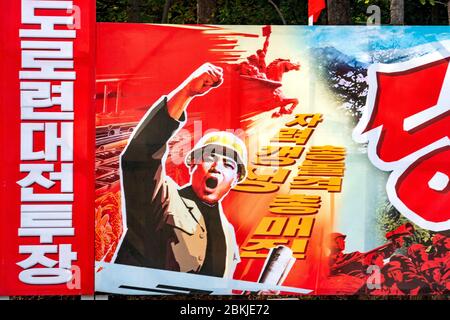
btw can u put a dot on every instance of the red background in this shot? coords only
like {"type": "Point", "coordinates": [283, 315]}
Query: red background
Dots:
{"type": "Point", "coordinates": [83, 221]}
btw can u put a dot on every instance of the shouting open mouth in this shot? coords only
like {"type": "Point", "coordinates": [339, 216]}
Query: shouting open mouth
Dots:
{"type": "Point", "coordinates": [212, 182]}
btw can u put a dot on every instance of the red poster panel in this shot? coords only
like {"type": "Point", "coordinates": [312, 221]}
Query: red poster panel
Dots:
{"type": "Point", "coordinates": [47, 130]}
{"type": "Point", "coordinates": [228, 162]}
{"type": "Point", "coordinates": [247, 104]}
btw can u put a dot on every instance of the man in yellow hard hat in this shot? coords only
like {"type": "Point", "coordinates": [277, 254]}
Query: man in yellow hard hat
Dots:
{"type": "Point", "coordinates": [180, 228]}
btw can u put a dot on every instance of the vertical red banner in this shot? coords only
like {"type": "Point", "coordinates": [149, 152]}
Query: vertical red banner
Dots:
{"type": "Point", "coordinates": [47, 147]}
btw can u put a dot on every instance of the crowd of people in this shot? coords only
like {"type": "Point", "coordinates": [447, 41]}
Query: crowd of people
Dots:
{"type": "Point", "coordinates": [383, 271]}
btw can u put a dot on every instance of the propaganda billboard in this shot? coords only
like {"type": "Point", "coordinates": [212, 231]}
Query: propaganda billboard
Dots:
{"type": "Point", "coordinates": [272, 160]}
{"type": "Point", "coordinates": [144, 159]}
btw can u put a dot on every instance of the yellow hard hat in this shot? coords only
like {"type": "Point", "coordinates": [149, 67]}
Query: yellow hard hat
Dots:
{"type": "Point", "coordinates": [224, 143]}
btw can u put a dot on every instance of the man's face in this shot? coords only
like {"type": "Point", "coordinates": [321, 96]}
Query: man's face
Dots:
{"type": "Point", "coordinates": [447, 243]}
{"type": "Point", "coordinates": [400, 241]}
{"type": "Point", "coordinates": [436, 274]}
{"type": "Point", "coordinates": [422, 254]}
{"type": "Point", "coordinates": [340, 243]}
{"type": "Point", "coordinates": [213, 176]}
{"type": "Point", "coordinates": [396, 275]}
{"type": "Point", "coordinates": [378, 260]}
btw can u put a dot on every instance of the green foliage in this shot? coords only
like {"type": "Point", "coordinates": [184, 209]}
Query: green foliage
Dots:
{"type": "Point", "coordinates": [112, 10]}
{"type": "Point", "coordinates": [228, 11]}
{"type": "Point", "coordinates": [388, 219]}
{"type": "Point", "coordinates": [417, 12]}
{"type": "Point", "coordinates": [260, 12]}
{"type": "Point", "coordinates": [425, 12]}
{"type": "Point", "coordinates": [359, 10]}
{"type": "Point", "coordinates": [181, 12]}
{"type": "Point", "coordinates": [424, 2]}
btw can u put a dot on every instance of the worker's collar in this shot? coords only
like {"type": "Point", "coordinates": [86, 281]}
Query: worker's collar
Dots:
{"type": "Point", "coordinates": [189, 193]}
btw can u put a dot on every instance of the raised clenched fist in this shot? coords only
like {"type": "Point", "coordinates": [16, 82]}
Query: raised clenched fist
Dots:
{"type": "Point", "coordinates": [203, 79]}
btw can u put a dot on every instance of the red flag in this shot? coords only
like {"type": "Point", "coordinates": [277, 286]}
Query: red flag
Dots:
{"type": "Point", "coordinates": [315, 7]}
{"type": "Point", "coordinates": [266, 31]}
